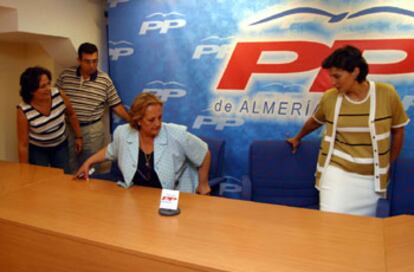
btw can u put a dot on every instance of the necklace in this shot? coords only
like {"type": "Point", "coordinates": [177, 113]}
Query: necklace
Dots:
{"type": "Point", "coordinates": [147, 156]}
{"type": "Point", "coordinates": [147, 159]}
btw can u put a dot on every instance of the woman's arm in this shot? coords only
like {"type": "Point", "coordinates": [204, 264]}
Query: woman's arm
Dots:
{"type": "Point", "coordinates": [73, 119]}
{"type": "Point", "coordinates": [397, 141]}
{"type": "Point", "coordinates": [203, 187]}
{"type": "Point", "coordinates": [309, 126]}
{"type": "Point", "coordinates": [98, 157]}
{"type": "Point", "coordinates": [22, 136]}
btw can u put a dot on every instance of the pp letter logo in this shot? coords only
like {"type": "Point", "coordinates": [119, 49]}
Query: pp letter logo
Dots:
{"type": "Point", "coordinates": [161, 26]}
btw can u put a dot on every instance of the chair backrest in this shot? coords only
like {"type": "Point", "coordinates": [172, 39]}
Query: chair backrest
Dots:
{"type": "Point", "coordinates": [401, 189]}
{"type": "Point", "coordinates": [216, 147]}
{"type": "Point", "coordinates": [280, 177]}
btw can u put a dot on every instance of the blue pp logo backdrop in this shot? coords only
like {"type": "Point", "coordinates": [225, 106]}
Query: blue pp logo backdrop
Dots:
{"type": "Point", "coordinates": [250, 70]}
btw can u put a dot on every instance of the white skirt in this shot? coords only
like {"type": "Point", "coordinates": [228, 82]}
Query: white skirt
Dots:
{"type": "Point", "coordinates": [345, 192]}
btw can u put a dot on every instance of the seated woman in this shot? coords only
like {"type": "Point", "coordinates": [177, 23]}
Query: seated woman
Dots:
{"type": "Point", "coordinates": [155, 154]}
{"type": "Point", "coordinates": [41, 126]}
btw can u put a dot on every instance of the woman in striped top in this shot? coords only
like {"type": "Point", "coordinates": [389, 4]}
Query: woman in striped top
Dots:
{"type": "Point", "coordinates": [41, 126]}
{"type": "Point", "coordinates": [364, 131]}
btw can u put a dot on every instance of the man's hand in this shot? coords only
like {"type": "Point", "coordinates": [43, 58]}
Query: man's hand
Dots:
{"type": "Point", "coordinates": [78, 145]}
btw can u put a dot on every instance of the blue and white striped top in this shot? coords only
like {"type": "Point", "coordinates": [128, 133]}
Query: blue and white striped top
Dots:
{"type": "Point", "coordinates": [46, 131]}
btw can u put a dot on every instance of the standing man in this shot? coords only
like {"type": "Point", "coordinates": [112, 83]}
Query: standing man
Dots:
{"type": "Point", "coordinates": [89, 90]}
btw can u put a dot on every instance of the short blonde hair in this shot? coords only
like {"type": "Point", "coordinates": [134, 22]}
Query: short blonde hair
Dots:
{"type": "Point", "coordinates": [139, 106]}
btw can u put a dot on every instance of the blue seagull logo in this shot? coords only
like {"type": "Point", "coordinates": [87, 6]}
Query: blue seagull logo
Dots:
{"type": "Point", "coordinates": [335, 18]}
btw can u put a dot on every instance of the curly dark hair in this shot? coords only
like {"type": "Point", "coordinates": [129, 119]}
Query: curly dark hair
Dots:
{"type": "Point", "coordinates": [29, 81]}
{"type": "Point", "coordinates": [348, 58]}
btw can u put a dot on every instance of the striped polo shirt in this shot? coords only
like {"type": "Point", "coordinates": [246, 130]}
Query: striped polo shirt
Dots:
{"type": "Point", "coordinates": [88, 97]}
{"type": "Point", "coordinates": [46, 131]}
{"type": "Point", "coordinates": [353, 148]}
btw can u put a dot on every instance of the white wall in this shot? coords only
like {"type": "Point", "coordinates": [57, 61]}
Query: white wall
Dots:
{"type": "Point", "coordinates": [51, 20]}
{"type": "Point", "coordinates": [46, 33]}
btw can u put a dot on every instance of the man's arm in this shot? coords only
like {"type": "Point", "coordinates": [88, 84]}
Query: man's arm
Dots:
{"type": "Point", "coordinates": [74, 122]}
{"type": "Point", "coordinates": [121, 112]}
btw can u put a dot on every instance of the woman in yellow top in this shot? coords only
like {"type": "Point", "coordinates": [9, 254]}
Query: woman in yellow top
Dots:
{"type": "Point", "coordinates": [364, 131]}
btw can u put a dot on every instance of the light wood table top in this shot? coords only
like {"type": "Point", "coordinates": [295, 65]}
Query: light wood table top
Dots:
{"type": "Point", "coordinates": [14, 176]}
{"type": "Point", "coordinates": [399, 243]}
{"type": "Point", "coordinates": [211, 233]}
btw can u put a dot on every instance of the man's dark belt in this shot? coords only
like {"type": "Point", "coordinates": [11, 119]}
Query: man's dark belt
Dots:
{"type": "Point", "coordinates": [84, 124]}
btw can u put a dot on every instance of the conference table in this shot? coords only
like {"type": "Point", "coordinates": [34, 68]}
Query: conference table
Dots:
{"type": "Point", "coordinates": [50, 222]}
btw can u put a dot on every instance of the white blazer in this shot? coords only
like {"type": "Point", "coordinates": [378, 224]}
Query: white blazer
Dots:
{"type": "Point", "coordinates": [177, 156]}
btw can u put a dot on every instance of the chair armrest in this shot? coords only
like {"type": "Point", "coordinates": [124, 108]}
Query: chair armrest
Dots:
{"type": "Point", "coordinates": [246, 193]}
{"type": "Point", "coordinates": [215, 181]}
